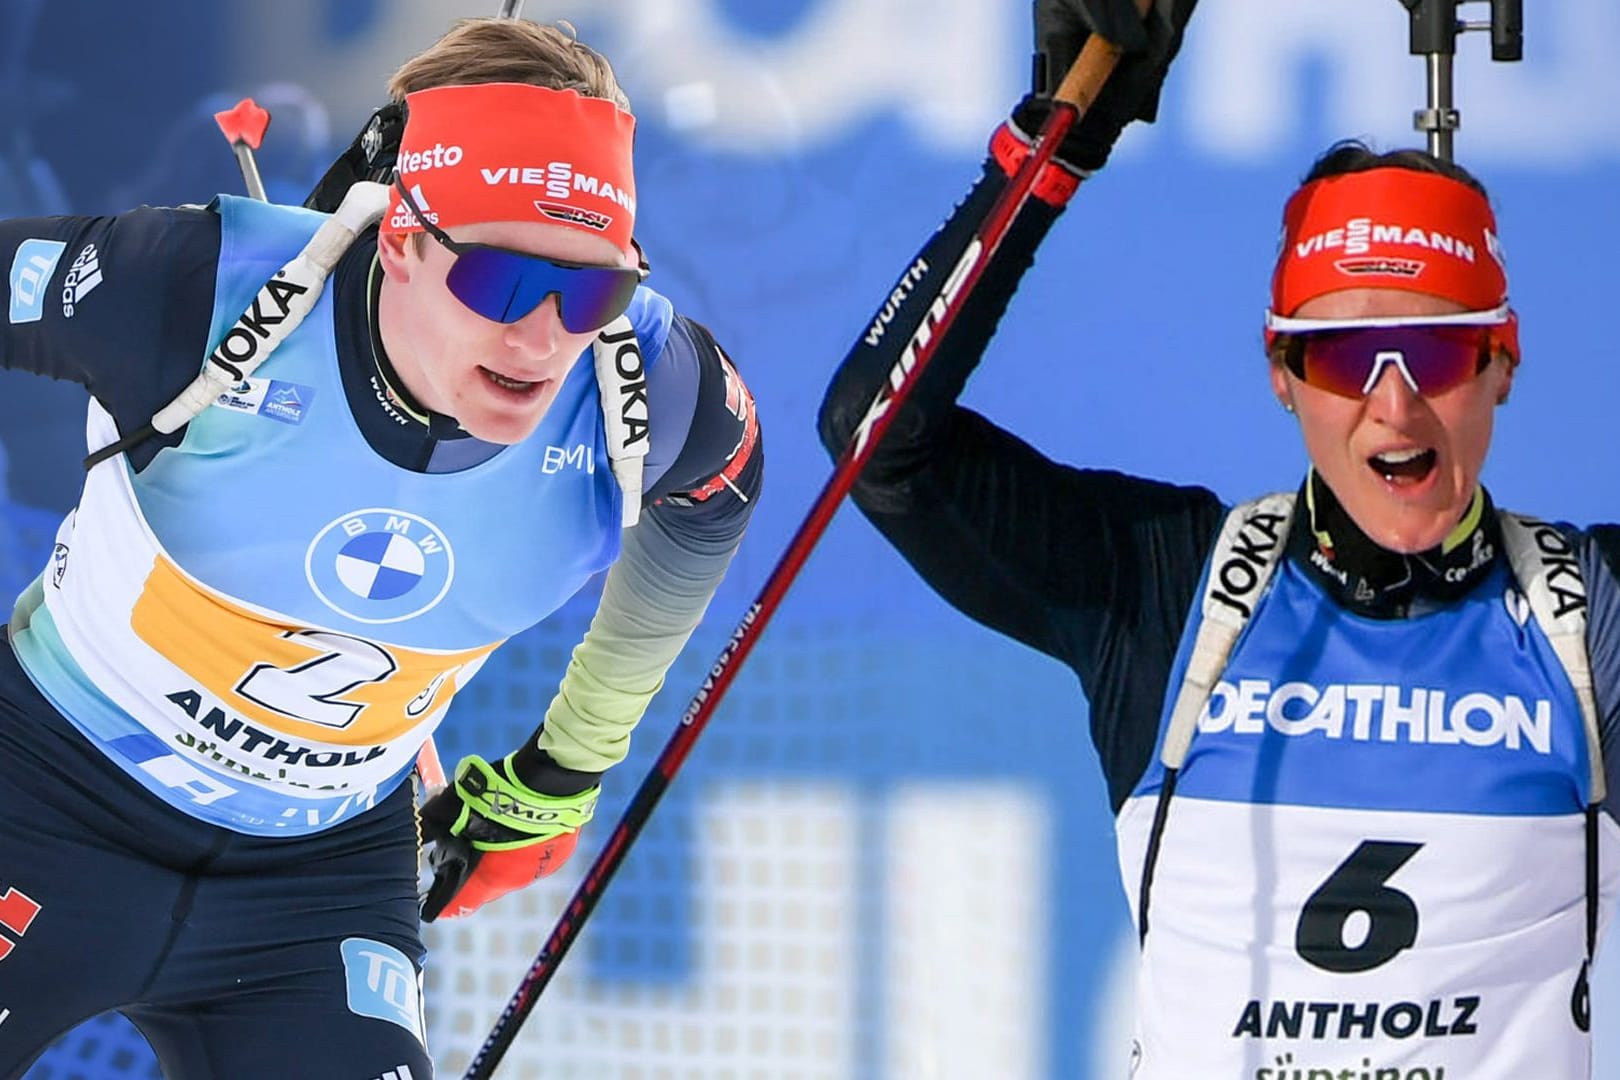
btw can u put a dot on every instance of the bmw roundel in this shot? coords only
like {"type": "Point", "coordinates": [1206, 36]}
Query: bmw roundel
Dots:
{"type": "Point", "coordinates": [380, 565]}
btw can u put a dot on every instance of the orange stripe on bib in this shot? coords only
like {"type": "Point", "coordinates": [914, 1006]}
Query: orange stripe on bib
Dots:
{"type": "Point", "coordinates": [293, 680]}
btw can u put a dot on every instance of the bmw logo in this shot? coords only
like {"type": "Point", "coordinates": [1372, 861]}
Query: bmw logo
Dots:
{"type": "Point", "coordinates": [380, 565]}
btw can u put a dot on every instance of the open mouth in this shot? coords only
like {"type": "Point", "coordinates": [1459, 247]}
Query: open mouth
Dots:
{"type": "Point", "coordinates": [1404, 467]}
{"type": "Point", "coordinates": [516, 386]}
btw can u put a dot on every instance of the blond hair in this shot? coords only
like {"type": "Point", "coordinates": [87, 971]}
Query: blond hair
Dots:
{"type": "Point", "coordinates": [491, 49]}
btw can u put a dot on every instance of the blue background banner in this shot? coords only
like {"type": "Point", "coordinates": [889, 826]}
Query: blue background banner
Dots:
{"type": "Point", "coordinates": [891, 855]}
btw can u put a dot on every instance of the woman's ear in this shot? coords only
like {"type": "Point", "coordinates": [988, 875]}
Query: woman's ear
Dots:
{"type": "Point", "coordinates": [1280, 388]}
{"type": "Point", "coordinates": [1509, 366]}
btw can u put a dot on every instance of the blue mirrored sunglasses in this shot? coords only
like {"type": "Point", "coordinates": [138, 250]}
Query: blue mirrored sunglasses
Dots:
{"type": "Point", "coordinates": [505, 285]}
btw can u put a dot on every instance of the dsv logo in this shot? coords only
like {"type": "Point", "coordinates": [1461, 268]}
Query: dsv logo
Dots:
{"type": "Point", "coordinates": [17, 911]}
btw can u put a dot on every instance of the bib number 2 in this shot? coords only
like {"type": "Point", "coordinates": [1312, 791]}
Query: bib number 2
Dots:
{"type": "Point", "coordinates": [313, 690]}
{"type": "Point", "coordinates": [1357, 903]}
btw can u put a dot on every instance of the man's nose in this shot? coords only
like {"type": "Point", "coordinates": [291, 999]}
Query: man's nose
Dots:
{"type": "Point", "coordinates": [538, 332]}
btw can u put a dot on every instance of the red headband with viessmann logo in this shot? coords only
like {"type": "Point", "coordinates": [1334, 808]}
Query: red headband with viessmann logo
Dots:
{"type": "Point", "coordinates": [1390, 228]}
{"type": "Point", "coordinates": [516, 152]}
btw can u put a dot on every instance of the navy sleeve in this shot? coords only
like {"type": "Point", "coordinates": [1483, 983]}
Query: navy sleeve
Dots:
{"type": "Point", "coordinates": [713, 448]}
{"type": "Point", "coordinates": [1094, 568]}
{"type": "Point", "coordinates": [704, 473]}
{"type": "Point", "coordinates": [119, 305]}
{"type": "Point", "coordinates": [1600, 567]}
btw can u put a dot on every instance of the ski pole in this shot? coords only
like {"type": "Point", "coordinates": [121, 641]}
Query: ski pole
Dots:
{"type": "Point", "coordinates": [1077, 91]}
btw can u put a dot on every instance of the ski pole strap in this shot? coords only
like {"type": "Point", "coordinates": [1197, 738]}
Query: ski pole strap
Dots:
{"type": "Point", "coordinates": [1055, 184]}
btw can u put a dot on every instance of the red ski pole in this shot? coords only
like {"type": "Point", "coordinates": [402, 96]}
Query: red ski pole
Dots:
{"type": "Point", "coordinates": [1078, 90]}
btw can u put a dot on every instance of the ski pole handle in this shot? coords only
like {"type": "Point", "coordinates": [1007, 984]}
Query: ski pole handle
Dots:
{"type": "Point", "coordinates": [244, 128]}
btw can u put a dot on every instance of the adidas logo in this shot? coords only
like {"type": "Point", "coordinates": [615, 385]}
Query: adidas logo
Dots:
{"type": "Point", "coordinates": [402, 217]}
{"type": "Point", "coordinates": [401, 1073]}
{"type": "Point", "coordinates": [82, 278]}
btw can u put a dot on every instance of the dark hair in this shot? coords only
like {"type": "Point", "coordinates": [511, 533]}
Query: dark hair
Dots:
{"type": "Point", "coordinates": [1353, 156]}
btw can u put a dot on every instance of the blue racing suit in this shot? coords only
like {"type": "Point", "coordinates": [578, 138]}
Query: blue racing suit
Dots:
{"type": "Point", "coordinates": [215, 691]}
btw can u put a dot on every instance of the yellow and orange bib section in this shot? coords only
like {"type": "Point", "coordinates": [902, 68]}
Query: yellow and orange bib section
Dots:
{"type": "Point", "coordinates": [304, 682]}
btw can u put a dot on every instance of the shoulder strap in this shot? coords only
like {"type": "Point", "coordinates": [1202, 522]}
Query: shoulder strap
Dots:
{"type": "Point", "coordinates": [1245, 557]}
{"type": "Point", "coordinates": [293, 291]}
{"type": "Point", "coordinates": [1548, 572]}
{"type": "Point", "coordinates": [620, 372]}
{"type": "Point", "coordinates": [621, 381]}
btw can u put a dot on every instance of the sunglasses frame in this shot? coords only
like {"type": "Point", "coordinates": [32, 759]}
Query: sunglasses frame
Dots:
{"type": "Point", "coordinates": [1292, 349]}
{"type": "Point", "coordinates": [458, 248]}
{"type": "Point", "coordinates": [1286, 341]}
{"type": "Point", "coordinates": [1496, 316]}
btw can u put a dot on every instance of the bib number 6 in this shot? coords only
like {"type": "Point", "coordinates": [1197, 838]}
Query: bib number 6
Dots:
{"type": "Point", "coordinates": [1356, 896]}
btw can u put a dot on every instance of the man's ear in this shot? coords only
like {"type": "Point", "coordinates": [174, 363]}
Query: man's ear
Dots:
{"type": "Point", "coordinates": [393, 251]}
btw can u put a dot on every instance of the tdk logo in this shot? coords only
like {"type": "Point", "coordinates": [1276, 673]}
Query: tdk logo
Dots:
{"type": "Point", "coordinates": [31, 270]}
{"type": "Point", "coordinates": [382, 984]}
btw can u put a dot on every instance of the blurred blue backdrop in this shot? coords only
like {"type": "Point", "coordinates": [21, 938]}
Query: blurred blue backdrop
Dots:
{"type": "Point", "coordinates": [957, 891]}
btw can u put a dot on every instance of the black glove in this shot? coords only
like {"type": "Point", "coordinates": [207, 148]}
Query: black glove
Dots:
{"type": "Point", "coordinates": [1131, 92]}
